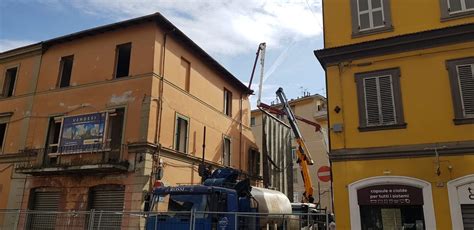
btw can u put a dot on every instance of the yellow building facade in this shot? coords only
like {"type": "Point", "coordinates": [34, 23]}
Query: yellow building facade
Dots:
{"type": "Point", "coordinates": [401, 112]}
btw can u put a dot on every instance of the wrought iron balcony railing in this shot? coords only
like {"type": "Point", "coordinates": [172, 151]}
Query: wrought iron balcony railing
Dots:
{"type": "Point", "coordinates": [101, 156]}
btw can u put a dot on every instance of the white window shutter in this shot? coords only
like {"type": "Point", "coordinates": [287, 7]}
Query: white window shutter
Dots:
{"type": "Point", "coordinates": [466, 88]}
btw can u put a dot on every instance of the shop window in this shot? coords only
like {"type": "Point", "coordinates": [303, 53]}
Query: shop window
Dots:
{"type": "Point", "coordinates": [122, 56]}
{"type": "Point", "coordinates": [186, 73]}
{"type": "Point", "coordinates": [369, 16]}
{"type": "Point", "coordinates": [379, 98]}
{"type": "Point", "coordinates": [42, 202]}
{"type": "Point", "coordinates": [109, 199]}
{"type": "Point", "coordinates": [9, 82]}
{"type": "Point", "coordinates": [254, 163]}
{"type": "Point", "coordinates": [3, 132]}
{"type": "Point", "coordinates": [461, 76]}
{"type": "Point", "coordinates": [226, 151]}
{"type": "Point", "coordinates": [181, 134]}
{"type": "Point", "coordinates": [65, 70]}
{"type": "Point", "coordinates": [392, 217]}
{"type": "Point", "coordinates": [227, 102]}
{"type": "Point", "coordinates": [115, 128]}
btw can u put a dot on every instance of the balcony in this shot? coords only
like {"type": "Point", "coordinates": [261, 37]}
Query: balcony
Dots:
{"type": "Point", "coordinates": [94, 158]}
{"type": "Point", "coordinates": [321, 114]}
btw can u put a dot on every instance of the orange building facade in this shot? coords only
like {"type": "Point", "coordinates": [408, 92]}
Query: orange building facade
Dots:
{"type": "Point", "coordinates": [104, 111]}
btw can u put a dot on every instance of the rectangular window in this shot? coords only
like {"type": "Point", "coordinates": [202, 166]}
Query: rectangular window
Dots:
{"type": "Point", "coordinates": [254, 162]}
{"type": "Point", "coordinates": [181, 134]}
{"type": "Point", "coordinates": [456, 8]}
{"type": "Point", "coordinates": [461, 76]}
{"type": "Point", "coordinates": [226, 151]}
{"type": "Point", "coordinates": [54, 129]}
{"type": "Point", "coordinates": [115, 128]}
{"type": "Point", "coordinates": [122, 60]}
{"type": "Point", "coordinates": [252, 121]}
{"type": "Point", "coordinates": [370, 16]}
{"type": "Point", "coordinates": [65, 70]}
{"type": "Point", "coordinates": [379, 99]}
{"type": "Point", "coordinates": [9, 82]}
{"type": "Point", "coordinates": [3, 132]}
{"type": "Point", "coordinates": [186, 73]}
{"type": "Point", "coordinates": [227, 102]}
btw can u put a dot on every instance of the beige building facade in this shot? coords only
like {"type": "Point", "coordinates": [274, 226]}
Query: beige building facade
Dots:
{"type": "Point", "coordinates": [103, 110]}
{"type": "Point", "coordinates": [312, 108]}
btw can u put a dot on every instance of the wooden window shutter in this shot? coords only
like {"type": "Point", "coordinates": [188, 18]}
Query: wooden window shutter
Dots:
{"type": "Point", "coordinates": [466, 88]}
{"type": "Point", "coordinates": [371, 101]}
{"type": "Point", "coordinates": [387, 102]}
{"type": "Point", "coordinates": [379, 100]}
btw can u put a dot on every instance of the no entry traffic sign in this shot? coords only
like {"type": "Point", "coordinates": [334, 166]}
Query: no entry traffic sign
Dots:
{"type": "Point", "coordinates": [324, 173]}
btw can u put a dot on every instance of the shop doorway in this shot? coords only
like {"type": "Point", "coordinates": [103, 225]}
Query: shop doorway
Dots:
{"type": "Point", "coordinates": [375, 217]}
{"type": "Point", "coordinates": [391, 206]}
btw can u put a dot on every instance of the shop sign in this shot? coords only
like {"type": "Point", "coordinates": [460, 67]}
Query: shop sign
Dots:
{"type": "Point", "coordinates": [82, 132]}
{"type": "Point", "coordinates": [466, 193]}
{"type": "Point", "coordinates": [390, 195]}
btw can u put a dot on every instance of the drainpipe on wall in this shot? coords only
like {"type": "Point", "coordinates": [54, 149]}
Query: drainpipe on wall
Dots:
{"type": "Point", "coordinates": [156, 154]}
{"type": "Point", "coordinates": [240, 130]}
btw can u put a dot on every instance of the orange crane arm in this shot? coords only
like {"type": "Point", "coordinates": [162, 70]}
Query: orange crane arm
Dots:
{"type": "Point", "coordinates": [304, 157]}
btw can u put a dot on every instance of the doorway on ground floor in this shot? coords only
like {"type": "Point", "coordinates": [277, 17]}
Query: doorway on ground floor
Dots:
{"type": "Point", "coordinates": [381, 217]}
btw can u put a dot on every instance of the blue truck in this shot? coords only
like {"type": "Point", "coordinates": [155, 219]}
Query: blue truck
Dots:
{"type": "Point", "coordinates": [214, 204]}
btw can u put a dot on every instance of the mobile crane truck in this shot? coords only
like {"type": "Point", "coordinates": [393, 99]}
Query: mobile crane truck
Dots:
{"type": "Point", "coordinates": [214, 204]}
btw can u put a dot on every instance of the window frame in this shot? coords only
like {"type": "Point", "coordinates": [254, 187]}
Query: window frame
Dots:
{"type": "Point", "coordinates": [187, 74]}
{"type": "Point", "coordinates": [224, 138]}
{"type": "Point", "coordinates": [459, 117]}
{"type": "Point", "coordinates": [397, 99]}
{"type": "Point", "coordinates": [227, 102]}
{"type": "Point", "coordinates": [355, 18]}
{"type": "Point", "coordinates": [447, 15]}
{"type": "Point", "coordinates": [108, 138]}
{"type": "Point", "coordinates": [61, 69]}
{"type": "Point", "coordinates": [255, 164]}
{"type": "Point", "coordinates": [253, 121]}
{"type": "Point", "coordinates": [4, 78]}
{"type": "Point", "coordinates": [49, 146]}
{"type": "Point", "coordinates": [175, 142]}
{"type": "Point", "coordinates": [4, 119]}
{"type": "Point", "coordinates": [117, 53]}
{"type": "Point", "coordinates": [2, 141]}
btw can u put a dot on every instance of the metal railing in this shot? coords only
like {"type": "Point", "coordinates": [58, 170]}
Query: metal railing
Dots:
{"type": "Point", "coordinates": [78, 155]}
{"type": "Point", "coordinates": [93, 219]}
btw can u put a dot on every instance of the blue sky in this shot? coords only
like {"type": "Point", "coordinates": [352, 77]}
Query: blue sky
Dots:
{"type": "Point", "coordinates": [229, 30]}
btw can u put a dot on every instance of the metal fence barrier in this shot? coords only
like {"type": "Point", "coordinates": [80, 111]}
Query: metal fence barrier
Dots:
{"type": "Point", "coordinates": [92, 220]}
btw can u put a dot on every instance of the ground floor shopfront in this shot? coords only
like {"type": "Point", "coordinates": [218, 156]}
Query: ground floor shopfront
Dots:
{"type": "Point", "coordinates": [407, 193]}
